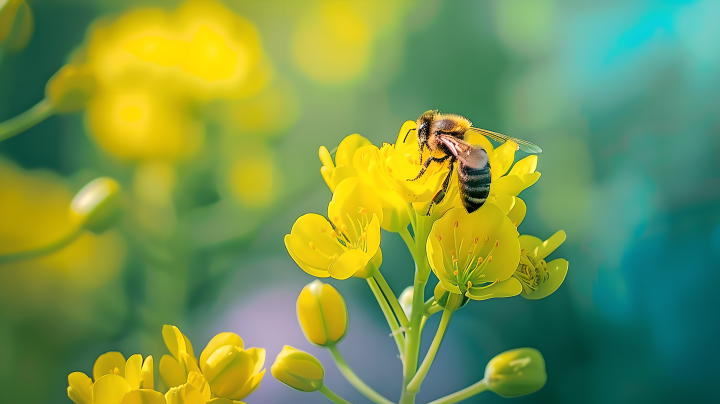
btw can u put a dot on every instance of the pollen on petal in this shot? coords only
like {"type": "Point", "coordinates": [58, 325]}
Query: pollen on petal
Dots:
{"type": "Point", "coordinates": [312, 245]}
{"type": "Point", "coordinates": [362, 210]}
{"type": "Point", "coordinates": [490, 258]}
{"type": "Point", "coordinates": [497, 243]}
{"type": "Point", "coordinates": [487, 238]}
{"type": "Point", "coordinates": [439, 238]}
{"type": "Point", "coordinates": [456, 224]}
{"type": "Point", "coordinates": [455, 273]}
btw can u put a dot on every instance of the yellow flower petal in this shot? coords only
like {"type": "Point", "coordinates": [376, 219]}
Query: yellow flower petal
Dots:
{"type": "Point", "coordinates": [557, 270]}
{"type": "Point", "coordinates": [347, 147]}
{"type": "Point", "coordinates": [188, 363]}
{"type": "Point", "coordinates": [146, 374]}
{"type": "Point", "coordinates": [174, 340]}
{"type": "Point", "coordinates": [143, 396]}
{"type": "Point", "coordinates": [171, 372]}
{"type": "Point", "coordinates": [507, 288]}
{"type": "Point", "coordinates": [501, 158]}
{"type": "Point", "coordinates": [314, 271]}
{"type": "Point", "coordinates": [525, 166]}
{"type": "Point", "coordinates": [310, 240]}
{"type": "Point", "coordinates": [518, 212]}
{"type": "Point", "coordinates": [198, 381]}
{"type": "Point", "coordinates": [373, 236]}
{"type": "Point", "coordinates": [549, 245]}
{"type": "Point", "coordinates": [227, 370]}
{"type": "Point", "coordinates": [107, 363]}
{"type": "Point", "coordinates": [132, 371]}
{"type": "Point", "coordinates": [220, 400]}
{"type": "Point", "coordinates": [504, 202]}
{"type": "Point", "coordinates": [251, 385]}
{"type": "Point", "coordinates": [258, 357]}
{"type": "Point", "coordinates": [529, 243]}
{"type": "Point", "coordinates": [224, 338]}
{"type": "Point", "coordinates": [310, 318]}
{"type": "Point", "coordinates": [184, 394]}
{"type": "Point", "coordinates": [349, 262]}
{"type": "Point", "coordinates": [80, 388]}
{"type": "Point", "coordinates": [353, 205]}
{"type": "Point", "coordinates": [325, 157]}
{"type": "Point", "coordinates": [110, 389]}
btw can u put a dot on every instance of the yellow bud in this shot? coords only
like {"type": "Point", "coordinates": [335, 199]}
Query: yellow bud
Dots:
{"type": "Point", "coordinates": [97, 206]}
{"type": "Point", "coordinates": [70, 88]}
{"type": "Point", "coordinates": [298, 369]}
{"type": "Point", "coordinates": [8, 13]}
{"type": "Point", "coordinates": [516, 372]}
{"type": "Point", "coordinates": [230, 370]}
{"type": "Point", "coordinates": [322, 314]}
{"type": "Point", "coordinates": [16, 25]}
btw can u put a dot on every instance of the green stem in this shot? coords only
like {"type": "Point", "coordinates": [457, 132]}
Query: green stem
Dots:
{"type": "Point", "coordinates": [332, 396]}
{"type": "Point", "coordinates": [26, 120]}
{"type": "Point", "coordinates": [387, 311]}
{"type": "Point", "coordinates": [408, 239]}
{"type": "Point", "coordinates": [467, 392]}
{"type": "Point", "coordinates": [391, 298]}
{"type": "Point", "coordinates": [414, 385]}
{"type": "Point", "coordinates": [432, 310]}
{"type": "Point", "coordinates": [351, 377]}
{"type": "Point", "coordinates": [44, 250]}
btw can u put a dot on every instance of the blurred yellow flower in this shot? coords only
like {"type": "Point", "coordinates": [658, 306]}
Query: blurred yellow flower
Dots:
{"type": "Point", "coordinates": [253, 178]}
{"type": "Point", "coordinates": [540, 279]}
{"type": "Point", "coordinates": [16, 25]}
{"type": "Point", "coordinates": [333, 41]}
{"type": "Point", "coordinates": [34, 214]}
{"type": "Point", "coordinates": [134, 123]}
{"type": "Point", "coordinates": [348, 244]}
{"type": "Point", "coordinates": [116, 381]}
{"type": "Point", "coordinates": [232, 371]}
{"type": "Point", "coordinates": [475, 254]}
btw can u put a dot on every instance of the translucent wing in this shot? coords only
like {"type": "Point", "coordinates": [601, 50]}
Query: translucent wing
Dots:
{"type": "Point", "coordinates": [470, 155]}
{"type": "Point", "coordinates": [523, 145]}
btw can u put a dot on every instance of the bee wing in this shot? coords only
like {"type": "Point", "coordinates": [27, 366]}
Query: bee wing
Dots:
{"type": "Point", "coordinates": [523, 145]}
{"type": "Point", "coordinates": [472, 156]}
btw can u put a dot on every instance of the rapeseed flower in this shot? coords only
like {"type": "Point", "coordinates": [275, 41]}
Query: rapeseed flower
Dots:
{"type": "Point", "coordinates": [540, 279]}
{"type": "Point", "coordinates": [475, 254]}
{"type": "Point", "coordinates": [346, 245]}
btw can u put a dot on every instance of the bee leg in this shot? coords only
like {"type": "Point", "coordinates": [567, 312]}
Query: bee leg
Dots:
{"type": "Point", "coordinates": [427, 164]}
{"type": "Point", "coordinates": [443, 190]}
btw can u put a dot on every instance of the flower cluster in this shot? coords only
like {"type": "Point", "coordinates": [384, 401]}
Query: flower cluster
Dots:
{"type": "Point", "coordinates": [224, 374]}
{"type": "Point", "coordinates": [475, 256]}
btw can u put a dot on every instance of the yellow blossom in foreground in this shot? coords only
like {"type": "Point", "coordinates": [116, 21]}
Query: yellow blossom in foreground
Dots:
{"type": "Point", "coordinates": [348, 244]}
{"type": "Point", "coordinates": [232, 371]}
{"type": "Point", "coordinates": [538, 278]}
{"type": "Point", "coordinates": [175, 368]}
{"type": "Point", "coordinates": [475, 254]}
{"type": "Point", "coordinates": [116, 382]}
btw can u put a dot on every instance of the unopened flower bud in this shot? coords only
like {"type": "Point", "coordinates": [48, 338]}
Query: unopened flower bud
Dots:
{"type": "Point", "coordinates": [405, 300]}
{"type": "Point", "coordinates": [298, 369]}
{"type": "Point", "coordinates": [322, 314]}
{"type": "Point", "coordinates": [16, 25]}
{"type": "Point", "coordinates": [232, 371]}
{"type": "Point", "coordinates": [516, 372]}
{"type": "Point", "coordinates": [70, 88]}
{"type": "Point", "coordinates": [97, 206]}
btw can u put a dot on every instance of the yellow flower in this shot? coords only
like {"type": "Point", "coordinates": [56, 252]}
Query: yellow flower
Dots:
{"type": "Point", "coordinates": [538, 278]}
{"type": "Point", "coordinates": [298, 369]}
{"type": "Point", "coordinates": [175, 369]}
{"type": "Point", "coordinates": [334, 172]}
{"type": "Point", "coordinates": [475, 254]}
{"type": "Point", "coordinates": [195, 391]}
{"type": "Point", "coordinates": [116, 382]}
{"type": "Point", "coordinates": [16, 25]}
{"type": "Point", "coordinates": [516, 372]}
{"type": "Point", "coordinates": [322, 314]}
{"type": "Point", "coordinates": [348, 244]}
{"type": "Point", "coordinates": [232, 371]}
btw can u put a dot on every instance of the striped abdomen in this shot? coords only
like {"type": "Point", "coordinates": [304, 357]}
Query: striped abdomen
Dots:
{"type": "Point", "coordinates": [474, 186]}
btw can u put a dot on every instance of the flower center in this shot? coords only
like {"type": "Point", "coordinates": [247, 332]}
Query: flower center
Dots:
{"type": "Point", "coordinates": [531, 274]}
{"type": "Point", "coordinates": [350, 238]}
{"type": "Point", "coordinates": [469, 264]}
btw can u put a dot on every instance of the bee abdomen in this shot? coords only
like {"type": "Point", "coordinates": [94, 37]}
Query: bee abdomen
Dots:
{"type": "Point", "coordinates": [474, 186]}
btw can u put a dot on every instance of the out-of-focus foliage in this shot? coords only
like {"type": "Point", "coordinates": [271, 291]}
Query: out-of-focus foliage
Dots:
{"type": "Point", "coordinates": [620, 96]}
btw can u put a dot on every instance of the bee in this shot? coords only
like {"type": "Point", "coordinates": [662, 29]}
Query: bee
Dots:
{"type": "Point", "coordinates": [444, 134]}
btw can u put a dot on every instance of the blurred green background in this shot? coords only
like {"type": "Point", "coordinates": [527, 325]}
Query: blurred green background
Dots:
{"type": "Point", "coordinates": [217, 161]}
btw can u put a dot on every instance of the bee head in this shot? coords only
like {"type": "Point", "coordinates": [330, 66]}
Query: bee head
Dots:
{"type": "Point", "coordinates": [423, 126]}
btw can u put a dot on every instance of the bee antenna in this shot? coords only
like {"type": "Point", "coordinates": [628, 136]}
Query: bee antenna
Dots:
{"type": "Point", "coordinates": [408, 132]}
